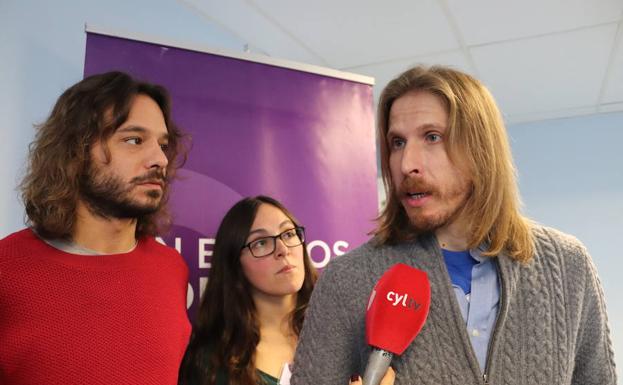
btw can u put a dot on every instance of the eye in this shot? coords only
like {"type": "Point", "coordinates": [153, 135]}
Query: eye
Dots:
{"type": "Point", "coordinates": [134, 141]}
{"type": "Point", "coordinates": [433, 137]}
{"type": "Point", "coordinates": [289, 234]}
{"type": "Point", "coordinates": [396, 143]}
{"type": "Point", "coordinates": [164, 147]}
{"type": "Point", "coordinates": [259, 243]}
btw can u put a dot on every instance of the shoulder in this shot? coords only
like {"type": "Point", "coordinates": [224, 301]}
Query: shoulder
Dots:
{"type": "Point", "coordinates": [345, 276]}
{"type": "Point", "coordinates": [548, 236]}
{"type": "Point", "coordinates": [375, 256]}
{"type": "Point", "coordinates": [153, 245]}
{"type": "Point", "coordinates": [161, 252]}
{"type": "Point", "coordinates": [355, 262]}
{"type": "Point", "coordinates": [18, 237]}
{"type": "Point", "coordinates": [364, 252]}
{"type": "Point", "coordinates": [19, 244]}
{"type": "Point", "coordinates": [563, 255]}
{"type": "Point", "coordinates": [361, 267]}
{"type": "Point", "coordinates": [550, 242]}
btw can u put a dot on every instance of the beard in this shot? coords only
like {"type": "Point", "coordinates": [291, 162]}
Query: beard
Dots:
{"type": "Point", "coordinates": [453, 199]}
{"type": "Point", "coordinates": [107, 196]}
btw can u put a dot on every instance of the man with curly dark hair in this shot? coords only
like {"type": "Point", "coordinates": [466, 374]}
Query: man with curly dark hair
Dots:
{"type": "Point", "coordinates": [87, 295]}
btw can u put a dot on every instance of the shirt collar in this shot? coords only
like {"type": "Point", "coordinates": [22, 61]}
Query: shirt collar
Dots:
{"type": "Point", "coordinates": [476, 252]}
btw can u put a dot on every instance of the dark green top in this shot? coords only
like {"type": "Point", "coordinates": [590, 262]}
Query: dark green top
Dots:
{"type": "Point", "coordinates": [267, 378]}
{"type": "Point", "coordinates": [264, 379]}
{"type": "Point", "coordinates": [191, 374]}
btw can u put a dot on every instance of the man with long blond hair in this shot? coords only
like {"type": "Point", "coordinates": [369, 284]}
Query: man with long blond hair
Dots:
{"type": "Point", "coordinates": [87, 296]}
{"type": "Point", "coordinates": [512, 302]}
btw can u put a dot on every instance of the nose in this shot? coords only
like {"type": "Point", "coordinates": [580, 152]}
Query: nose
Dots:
{"type": "Point", "coordinates": [157, 158]}
{"type": "Point", "coordinates": [281, 250]}
{"type": "Point", "coordinates": [413, 160]}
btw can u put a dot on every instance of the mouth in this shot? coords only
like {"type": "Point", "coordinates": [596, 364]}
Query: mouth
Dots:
{"type": "Point", "coordinates": [286, 269]}
{"type": "Point", "coordinates": [151, 179]}
{"type": "Point", "coordinates": [416, 199]}
{"type": "Point", "coordinates": [415, 192]}
{"type": "Point", "coordinates": [152, 183]}
{"type": "Point", "coordinates": [417, 195]}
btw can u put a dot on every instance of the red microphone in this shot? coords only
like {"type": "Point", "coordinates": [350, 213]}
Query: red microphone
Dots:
{"type": "Point", "coordinates": [397, 309]}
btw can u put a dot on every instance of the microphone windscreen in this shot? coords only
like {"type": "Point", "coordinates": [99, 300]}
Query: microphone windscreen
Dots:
{"type": "Point", "coordinates": [397, 308]}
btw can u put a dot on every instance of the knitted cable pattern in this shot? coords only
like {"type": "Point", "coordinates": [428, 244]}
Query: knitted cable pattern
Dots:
{"type": "Point", "coordinates": [551, 328]}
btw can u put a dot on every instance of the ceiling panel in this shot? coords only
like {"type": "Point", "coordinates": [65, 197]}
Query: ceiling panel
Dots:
{"type": "Point", "coordinates": [385, 72]}
{"type": "Point", "coordinates": [613, 91]}
{"type": "Point", "coordinates": [347, 33]}
{"type": "Point", "coordinates": [554, 72]}
{"type": "Point", "coordinates": [263, 36]}
{"type": "Point", "coordinates": [546, 115]}
{"type": "Point", "coordinates": [541, 58]}
{"type": "Point", "coordinates": [483, 21]}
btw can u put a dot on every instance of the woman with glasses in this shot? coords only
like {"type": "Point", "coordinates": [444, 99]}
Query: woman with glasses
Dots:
{"type": "Point", "coordinates": [253, 306]}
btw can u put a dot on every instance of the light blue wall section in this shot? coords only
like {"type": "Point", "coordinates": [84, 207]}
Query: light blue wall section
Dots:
{"type": "Point", "coordinates": [571, 170]}
{"type": "Point", "coordinates": [42, 46]}
{"type": "Point", "coordinates": [571, 178]}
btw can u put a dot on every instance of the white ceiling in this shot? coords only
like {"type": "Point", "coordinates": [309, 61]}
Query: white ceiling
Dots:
{"type": "Point", "coordinates": [540, 58]}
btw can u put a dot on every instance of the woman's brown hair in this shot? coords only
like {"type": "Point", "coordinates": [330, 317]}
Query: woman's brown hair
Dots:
{"type": "Point", "coordinates": [226, 334]}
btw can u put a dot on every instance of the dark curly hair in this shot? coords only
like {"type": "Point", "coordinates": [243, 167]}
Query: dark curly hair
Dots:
{"type": "Point", "coordinates": [88, 112]}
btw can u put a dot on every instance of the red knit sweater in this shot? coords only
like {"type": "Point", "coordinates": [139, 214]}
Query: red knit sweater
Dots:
{"type": "Point", "coordinates": [73, 319]}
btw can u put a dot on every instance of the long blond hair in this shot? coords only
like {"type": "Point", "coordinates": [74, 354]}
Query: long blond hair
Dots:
{"type": "Point", "coordinates": [477, 137]}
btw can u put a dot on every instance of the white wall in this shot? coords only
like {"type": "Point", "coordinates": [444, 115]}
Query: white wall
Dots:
{"type": "Point", "coordinates": [571, 171]}
{"type": "Point", "coordinates": [42, 46]}
{"type": "Point", "coordinates": [571, 178]}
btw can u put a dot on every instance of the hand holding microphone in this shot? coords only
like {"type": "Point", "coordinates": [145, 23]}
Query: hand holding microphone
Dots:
{"type": "Point", "coordinates": [388, 378]}
{"type": "Point", "coordinates": [397, 309]}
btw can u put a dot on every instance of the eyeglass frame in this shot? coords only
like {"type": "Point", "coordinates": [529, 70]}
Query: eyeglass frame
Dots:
{"type": "Point", "coordinates": [300, 233]}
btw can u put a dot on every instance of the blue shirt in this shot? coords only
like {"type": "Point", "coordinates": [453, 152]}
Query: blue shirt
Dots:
{"type": "Point", "coordinates": [479, 303]}
{"type": "Point", "coordinates": [460, 264]}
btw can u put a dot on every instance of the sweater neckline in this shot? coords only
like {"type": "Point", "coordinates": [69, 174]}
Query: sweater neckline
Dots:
{"type": "Point", "coordinates": [73, 248]}
{"type": "Point", "coordinates": [47, 252]}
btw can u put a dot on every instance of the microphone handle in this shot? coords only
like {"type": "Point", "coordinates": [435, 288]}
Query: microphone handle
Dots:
{"type": "Point", "coordinates": [378, 362]}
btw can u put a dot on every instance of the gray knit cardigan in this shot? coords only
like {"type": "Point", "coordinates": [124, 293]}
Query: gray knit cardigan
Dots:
{"type": "Point", "coordinates": [551, 328]}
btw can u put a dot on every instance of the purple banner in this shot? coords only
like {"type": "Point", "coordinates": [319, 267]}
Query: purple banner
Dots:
{"type": "Point", "coordinates": [303, 138]}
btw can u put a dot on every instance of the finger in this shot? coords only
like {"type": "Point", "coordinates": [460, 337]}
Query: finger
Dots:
{"type": "Point", "coordinates": [389, 377]}
{"type": "Point", "coordinates": [355, 379]}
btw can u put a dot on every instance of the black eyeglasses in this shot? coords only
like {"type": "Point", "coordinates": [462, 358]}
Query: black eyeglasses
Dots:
{"type": "Point", "coordinates": [264, 246]}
